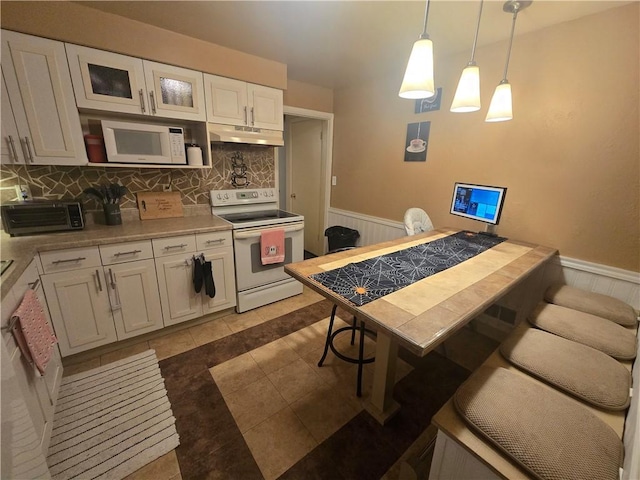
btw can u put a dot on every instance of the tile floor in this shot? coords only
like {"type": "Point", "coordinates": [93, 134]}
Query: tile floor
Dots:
{"type": "Point", "coordinates": [282, 404]}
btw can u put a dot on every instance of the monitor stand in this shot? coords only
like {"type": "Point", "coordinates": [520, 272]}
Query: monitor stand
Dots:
{"type": "Point", "coordinates": [489, 230]}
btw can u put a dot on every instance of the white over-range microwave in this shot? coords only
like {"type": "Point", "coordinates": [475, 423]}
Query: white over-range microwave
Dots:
{"type": "Point", "coordinates": [128, 142]}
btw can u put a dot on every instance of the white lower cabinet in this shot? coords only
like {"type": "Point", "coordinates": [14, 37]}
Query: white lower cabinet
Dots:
{"type": "Point", "coordinates": [80, 310]}
{"type": "Point", "coordinates": [99, 304]}
{"type": "Point", "coordinates": [36, 395]}
{"type": "Point", "coordinates": [134, 298]}
{"type": "Point", "coordinates": [180, 302]}
{"type": "Point", "coordinates": [225, 280]}
{"type": "Point", "coordinates": [100, 295]}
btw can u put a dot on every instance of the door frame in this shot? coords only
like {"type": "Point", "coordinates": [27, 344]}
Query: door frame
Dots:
{"type": "Point", "coordinates": [326, 156]}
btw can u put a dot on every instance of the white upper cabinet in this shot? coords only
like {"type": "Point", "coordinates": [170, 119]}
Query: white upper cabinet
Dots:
{"type": "Point", "coordinates": [39, 88]}
{"type": "Point", "coordinates": [119, 83]}
{"type": "Point", "coordinates": [174, 92]}
{"type": "Point", "coordinates": [233, 102]}
{"type": "Point", "coordinates": [11, 153]}
{"type": "Point", "coordinates": [266, 110]}
{"type": "Point", "coordinates": [107, 81]}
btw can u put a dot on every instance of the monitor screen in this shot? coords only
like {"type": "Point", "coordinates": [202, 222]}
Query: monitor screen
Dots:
{"type": "Point", "coordinates": [478, 202]}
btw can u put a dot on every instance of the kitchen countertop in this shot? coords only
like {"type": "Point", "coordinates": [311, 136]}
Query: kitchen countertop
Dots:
{"type": "Point", "coordinates": [22, 249]}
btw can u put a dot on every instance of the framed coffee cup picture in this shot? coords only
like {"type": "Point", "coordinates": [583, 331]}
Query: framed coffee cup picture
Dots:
{"type": "Point", "coordinates": [415, 149]}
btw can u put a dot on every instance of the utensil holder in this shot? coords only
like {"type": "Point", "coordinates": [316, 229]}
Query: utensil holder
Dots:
{"type": "Point", "coordinates": [112, 214]}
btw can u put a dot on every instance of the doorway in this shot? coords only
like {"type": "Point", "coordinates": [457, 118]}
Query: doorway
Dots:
{"type": "Point", "coordinates": [304, 169]}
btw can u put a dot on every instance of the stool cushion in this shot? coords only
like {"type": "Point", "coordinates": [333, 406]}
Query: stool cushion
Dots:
{"type": "Point", "coordinates": [549, 434]}
{"type": "Point", "coordinates": [585, 328]}
{"type": "Point", "coordinates": [594, 303]}
{"type": "Point", "coordinates": [582, 371]}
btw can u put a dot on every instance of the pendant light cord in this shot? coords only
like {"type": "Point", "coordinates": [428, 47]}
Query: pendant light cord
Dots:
{"type": "Point", "coordinates": [426, 17]}
{"type": "Point", "coordinates": [475, 39]}
{"type": "Point", "coordinates": [513, 28]}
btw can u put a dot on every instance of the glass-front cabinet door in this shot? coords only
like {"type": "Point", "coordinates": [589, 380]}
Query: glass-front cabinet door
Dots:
{"type": "Point", "coordinates": [119, 83]}
{"type": "Point", "coordinates": [174, 92]}
{"type": "Point", "coordinates": [107, 81]}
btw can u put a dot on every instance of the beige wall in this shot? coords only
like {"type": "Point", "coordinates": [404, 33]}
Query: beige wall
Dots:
{"type": "Point", "coordinates": [305, 95]}
{"type": "Point", "coordinates": [570, 158]}
{"type": "Point", "coordinates": [70, 22]}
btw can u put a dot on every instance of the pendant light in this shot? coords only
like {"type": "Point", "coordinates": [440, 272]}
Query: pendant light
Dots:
{"type": "Point", "coordinates": [467, 97]}
{"type": "Point", "coordinates": [418, 79]}
{"type": "Point", "coordinates": [500, 108]}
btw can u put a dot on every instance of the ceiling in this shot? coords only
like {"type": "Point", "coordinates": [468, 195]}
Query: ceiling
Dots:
{"type": "Point", "coordinates": [338, 43]}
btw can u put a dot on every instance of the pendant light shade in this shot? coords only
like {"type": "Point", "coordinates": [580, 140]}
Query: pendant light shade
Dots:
{"type": "Point", "coordinates": [501, 108]}
{"type": "Point", "coordinates": [418, 79]}
{"type": "Point", "coordinates": [467, 97]}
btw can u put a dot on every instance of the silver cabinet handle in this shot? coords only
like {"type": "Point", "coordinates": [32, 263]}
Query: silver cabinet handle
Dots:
{"type": "Point", "coordinates": [29, 153]}
{"type": "Point", "coordinates": [152, 101]}
{"type": "Point", "coordinates": [253, 117]}
{"type": "Point", "coordinates": [99, 281]}
{"type": "Point", "coordinates": [169, 247]}
{"type": "Point", "coordinates": [78, 259]}
{"type": "Point", "coordinates": [112, 281]}
{"type": "Point", "coordinates": [12, 145]}
{"type": "Point", "coordinates": [246, 120]}
{"type": "Point", "coordinates": [132, 252]}
{"type": "Point", "coordinates": [141, 93]}
{"type": "Point", "coordinates": [34, 285]}
{"type": "Point", "coordinates": [217, 240]}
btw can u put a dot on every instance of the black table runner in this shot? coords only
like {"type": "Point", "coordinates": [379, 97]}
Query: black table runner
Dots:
{"type": "Point", "coordinates": [368, 280]}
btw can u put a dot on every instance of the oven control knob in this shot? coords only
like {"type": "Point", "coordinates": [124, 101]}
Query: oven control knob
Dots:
{"type": "Point", "coordinates": [219, 196]}
{"type": "Point", "coordinates": [255, 194]}
{"type": "Point", "coordinates": [271, 193]}
{"type": "Point", "coordinates": [226, 196]}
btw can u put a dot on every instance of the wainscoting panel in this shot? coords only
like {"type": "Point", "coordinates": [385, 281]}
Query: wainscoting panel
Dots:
{"type": "Point", "coordinates": [592, 277]}
{"type": "Point", "coordinates": [618, 283]}
{"type": "Point", "coordinates": [372, 229]}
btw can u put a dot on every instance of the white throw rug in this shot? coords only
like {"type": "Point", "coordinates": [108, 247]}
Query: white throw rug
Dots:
{"type": "Point", "coordinates": [111, 421]}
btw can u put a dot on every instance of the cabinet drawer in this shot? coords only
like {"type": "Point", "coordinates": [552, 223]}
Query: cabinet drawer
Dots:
{"type": "Point", "coordinates": [213, 240]}
{"type": "Point", "coordinates": [70, 259]}
{"type": "Point", "coordinates": [173, 245]}
{"type": "Point", "coordinates": [126, 252]}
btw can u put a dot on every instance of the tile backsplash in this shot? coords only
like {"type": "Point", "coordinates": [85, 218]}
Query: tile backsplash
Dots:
{"type": "Point", "coordinates": [55, 182]}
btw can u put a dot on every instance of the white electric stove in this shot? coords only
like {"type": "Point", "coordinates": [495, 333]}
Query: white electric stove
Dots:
{"type": "Point", "coordinates": [250, 212]}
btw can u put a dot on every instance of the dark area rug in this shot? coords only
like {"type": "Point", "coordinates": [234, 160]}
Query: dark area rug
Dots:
{"type": "Point", "coordinates": [211, 445]}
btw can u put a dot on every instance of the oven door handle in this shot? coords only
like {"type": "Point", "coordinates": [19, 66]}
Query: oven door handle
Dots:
{"type": "Point", "coordinates": [256, 234]}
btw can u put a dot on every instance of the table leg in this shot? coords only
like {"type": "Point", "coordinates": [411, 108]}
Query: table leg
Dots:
{"type": "Point", "coordinates": [381, 404]}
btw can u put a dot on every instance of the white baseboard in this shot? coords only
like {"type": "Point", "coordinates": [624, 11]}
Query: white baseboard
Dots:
{"type": "Point", "coordinates": [593, 277]}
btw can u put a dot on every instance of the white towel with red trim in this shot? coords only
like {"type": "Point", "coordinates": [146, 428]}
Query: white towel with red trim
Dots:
{"type": "Point", "coordinates": [32, 332]}
{"type": "Point", "coordinates": [272, 246]}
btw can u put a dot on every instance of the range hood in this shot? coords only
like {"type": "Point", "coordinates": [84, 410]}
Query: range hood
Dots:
{"type": "Point", "coordinates": [250, 135]}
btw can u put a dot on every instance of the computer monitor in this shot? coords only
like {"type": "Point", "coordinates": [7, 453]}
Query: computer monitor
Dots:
{"type": "Point", "coordinates": [478, 202]}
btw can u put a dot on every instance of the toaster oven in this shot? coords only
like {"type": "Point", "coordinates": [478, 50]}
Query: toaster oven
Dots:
{"type": "Point", "coordinates": [40, 216]}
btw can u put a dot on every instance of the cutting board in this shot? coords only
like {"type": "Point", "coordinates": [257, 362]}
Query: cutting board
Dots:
{"type": "Point", "coordinates": [159, 205]}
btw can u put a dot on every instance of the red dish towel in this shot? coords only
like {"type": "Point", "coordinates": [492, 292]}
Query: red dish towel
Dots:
{"type": "Point", "coordinates": [272, 246]}
{"type": "Point", "coordinates": [32, 332]}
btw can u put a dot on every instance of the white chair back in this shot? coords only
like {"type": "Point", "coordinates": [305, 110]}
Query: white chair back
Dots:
{"type": "Point", "coordinates": [417, 221]}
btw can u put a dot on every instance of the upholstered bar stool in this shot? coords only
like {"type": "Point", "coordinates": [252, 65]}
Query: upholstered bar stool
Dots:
{"type": "Point", "coordinates": [360, 361]}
